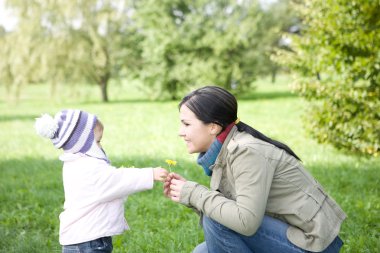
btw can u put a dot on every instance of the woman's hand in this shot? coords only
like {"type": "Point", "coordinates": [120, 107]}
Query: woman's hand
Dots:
{"type": "Point", "coordinates": [173, 185]}
{"type": "Point", "coordinates": [160, 174]}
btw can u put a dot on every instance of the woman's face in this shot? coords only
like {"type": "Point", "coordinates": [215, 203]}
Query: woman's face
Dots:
{"type": "Point", "coordinates": [197, 135]}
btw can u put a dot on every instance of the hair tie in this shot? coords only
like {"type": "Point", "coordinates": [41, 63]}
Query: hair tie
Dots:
{"type": "Point", "coordinates": [237, 121]}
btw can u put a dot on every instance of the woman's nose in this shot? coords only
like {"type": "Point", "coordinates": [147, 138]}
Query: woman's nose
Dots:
{"type": "Point", "coordinates": [181, 132]}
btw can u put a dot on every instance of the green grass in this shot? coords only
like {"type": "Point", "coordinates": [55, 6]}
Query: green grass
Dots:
{"type": "Point", "coordinates": [142, 133]}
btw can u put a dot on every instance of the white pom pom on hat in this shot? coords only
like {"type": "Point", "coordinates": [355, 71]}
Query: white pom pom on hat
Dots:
{"type": "Point", "coordinates": [46, 126]}
{"type": "Point", "coordinates": [70, 129]}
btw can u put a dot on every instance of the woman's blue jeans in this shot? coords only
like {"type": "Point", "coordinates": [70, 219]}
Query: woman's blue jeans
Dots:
{"type": "Point", "coordinates": [101, 245]}
{"type": "Point", "coordinates": [269, 238]}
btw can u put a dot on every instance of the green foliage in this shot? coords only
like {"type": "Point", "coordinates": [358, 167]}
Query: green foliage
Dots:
{"type": "Point", "coordinates": [143, 134]}
{"type": "Point", "coordinates": [198, 42]}
{"type": "Point", "coordinates": [338, 58]}
{"type": "Point", "coordinates": [66, 42]}
{"type": "Point", "coordinates": [277, 18]}
{"type": "Point", "coordinates": [171, 46]}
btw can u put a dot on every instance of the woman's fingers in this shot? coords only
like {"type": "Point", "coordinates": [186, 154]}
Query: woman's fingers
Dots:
{"type": "Point", "coordinates": [169, 177]}
{"type": "Point", "coordinates": [173, 185]}
{"type": "Point", "coordinates": [173, 175]}
{"type": "Point", "coordinates": [173, 188]}
{"type": "Point", "coordinates": [174, 195]}
{"type": "Point", "coordinates": [167, 189]}
{"type": "Point", "coordinates": [174, 198]}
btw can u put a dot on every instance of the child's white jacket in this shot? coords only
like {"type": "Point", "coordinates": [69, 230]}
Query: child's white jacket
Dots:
{"type": "Point", "coordinates": [94, 197]}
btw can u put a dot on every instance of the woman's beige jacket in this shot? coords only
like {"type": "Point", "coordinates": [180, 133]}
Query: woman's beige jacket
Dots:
{"type": "Point", "coordinates": [251, 178]}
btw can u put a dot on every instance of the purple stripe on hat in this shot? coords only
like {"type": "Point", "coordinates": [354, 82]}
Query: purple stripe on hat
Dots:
{"type": "Point", "coordinates": [83, 129]}
{"type": "Point", "coordinates": [87, 138]}
{"type": "Point", "coordinates": [62, 117]}
{"type": "Point", "coordinates": [83, 138]}
{"type": "Point", "coordinates": [91, 137]}
{"type": "Point", "coordinates": [67, 124]}
{"type": "Point", "coordinates": [77, 131]}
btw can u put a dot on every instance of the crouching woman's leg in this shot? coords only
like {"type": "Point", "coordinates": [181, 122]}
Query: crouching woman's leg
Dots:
{"type": "Point", "coordinates": [269, 238]}
{"type": "Point", "coordinates": [220, 239]}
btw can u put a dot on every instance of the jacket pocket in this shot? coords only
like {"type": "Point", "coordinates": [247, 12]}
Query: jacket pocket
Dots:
{"type": "Point", "coordinates": [308, 210]}
{"type": "Point", "coordinates": [317, 193]}
{"type": "Point", "coordinates": [312, 205]}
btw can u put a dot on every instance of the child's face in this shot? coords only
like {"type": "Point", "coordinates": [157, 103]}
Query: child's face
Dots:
{"type": "Point", "coordinates": [98, 132]}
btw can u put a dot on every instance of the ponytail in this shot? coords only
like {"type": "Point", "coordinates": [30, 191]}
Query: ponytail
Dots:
{"type": "Point", "coordinates": [213, 104]}
{"type": "Point", "coordinates": [242, 127]}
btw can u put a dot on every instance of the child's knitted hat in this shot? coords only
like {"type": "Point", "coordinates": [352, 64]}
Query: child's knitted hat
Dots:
{"type": "Point", "coordinates": [71, 130]}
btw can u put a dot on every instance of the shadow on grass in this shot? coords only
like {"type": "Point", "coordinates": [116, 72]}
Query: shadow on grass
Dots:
{"type": "Point", "coordinates": [266, 95]}
{"type": "Point", "coordinates": [250, 95]}
{"type": "Point", "coordinates": [127, 101]}
{"type": "Point", "coordinates": [6, 118]}
{"type": "Point", "coordinates": [36, 180]}
{"type": "Point", "coordinates": [355, 187]}
{"type": "Point", "coordinates": [31, 194]}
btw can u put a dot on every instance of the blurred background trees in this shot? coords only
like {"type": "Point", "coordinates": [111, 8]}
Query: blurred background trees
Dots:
{"type": "Point", "coordinates": [68, 42]}
{"type": "Point", "coordinates": [337, 57]}
{"type": "Point", "coordinates": [172, 46]}
{"type": "Point", "coordinates": [193, 42]}
{"type": "Point", "coordinates": [168, 45]}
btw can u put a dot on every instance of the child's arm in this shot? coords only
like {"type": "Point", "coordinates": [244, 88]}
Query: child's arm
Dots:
{"type": "Point", "coordinates": [119, 183]}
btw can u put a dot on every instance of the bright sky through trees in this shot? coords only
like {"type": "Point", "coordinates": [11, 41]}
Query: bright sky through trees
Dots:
{"type": "Point", "coordinates": [8, 21]}
{"type": "Point", "coordinates": [6, 18]}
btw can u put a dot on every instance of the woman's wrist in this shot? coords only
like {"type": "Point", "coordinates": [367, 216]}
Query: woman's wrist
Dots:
{"type": "Point", "coordinates": [187, 192]}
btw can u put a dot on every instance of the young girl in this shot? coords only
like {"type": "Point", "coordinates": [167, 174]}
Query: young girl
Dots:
{"type": "Point", "coordinates": [261, 199]}
{"type": "Point", "coordinates": [95, 191]}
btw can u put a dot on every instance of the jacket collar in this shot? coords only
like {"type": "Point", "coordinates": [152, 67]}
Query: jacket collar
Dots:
{"type": "Point", "coordinates": [207, 159]}
{"type": "Point", "coordinates": [221, 160]}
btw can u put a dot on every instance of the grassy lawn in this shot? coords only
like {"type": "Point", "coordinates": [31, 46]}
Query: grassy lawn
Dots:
{"type": "Point", "coordinates": [142, 133]}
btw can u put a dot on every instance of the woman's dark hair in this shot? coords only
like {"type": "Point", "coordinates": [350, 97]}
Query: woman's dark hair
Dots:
{"type": "Point", "coordinates": [213, 104]}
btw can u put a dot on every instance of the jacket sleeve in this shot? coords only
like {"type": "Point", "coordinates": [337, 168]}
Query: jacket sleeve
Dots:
{"type": "Point", "coordinates": [115, 183]}
{"type": "Point", "coordinates": [252, 179]}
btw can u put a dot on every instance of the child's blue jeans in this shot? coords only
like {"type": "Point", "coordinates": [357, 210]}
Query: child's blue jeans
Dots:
{"type": "Point", "coordinates": [101, 245]}
{"type": "Point", "coordinates": [269, 238]}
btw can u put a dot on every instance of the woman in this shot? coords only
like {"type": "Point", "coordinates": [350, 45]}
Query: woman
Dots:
{"type": "Point", "coordinates": [261, 199]}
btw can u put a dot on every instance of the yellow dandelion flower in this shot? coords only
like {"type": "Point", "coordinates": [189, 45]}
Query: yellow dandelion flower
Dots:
{"type": "Point", "coordinates": [170, 163]}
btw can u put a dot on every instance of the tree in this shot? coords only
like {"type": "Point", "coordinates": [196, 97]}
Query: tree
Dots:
{"type": "Point", "coordinates": [198, 42]}
{"type": "Point", "coordinates": [338, 58]}
{"type": "Point", "coordinates": [278, 17]}
{"type": "Point", "coordinates": [73, 41]}
{"type": "Point", "coordinates": [170, 45]}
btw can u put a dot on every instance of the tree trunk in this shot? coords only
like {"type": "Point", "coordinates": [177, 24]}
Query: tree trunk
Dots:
{"type": "Point", "coordinates": [318, 76]}
{"type": "Point", "coordinates": [274, 74]}
{"type": "Point", "coordinates": [103, 87]}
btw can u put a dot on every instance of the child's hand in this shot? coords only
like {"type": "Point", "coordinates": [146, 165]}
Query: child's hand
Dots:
{"type": "Point", "coordinates": [159, 174]}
